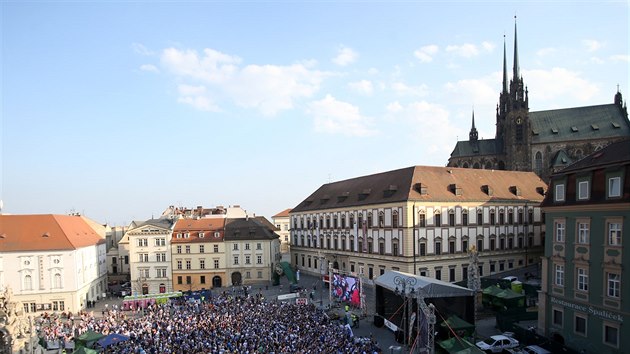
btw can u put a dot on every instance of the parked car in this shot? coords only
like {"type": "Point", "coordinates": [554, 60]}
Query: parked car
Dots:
{"type": "Point", "coordinates": [497, 344]}
{"type": "Point", "coordinates": [534, 349]}
{"type": "Point", "coordinates": [511, 278]}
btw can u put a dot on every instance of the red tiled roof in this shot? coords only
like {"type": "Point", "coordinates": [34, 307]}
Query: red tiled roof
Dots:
{"type": "Point", "coordinates": [45, 232]}
{"type": "Point", "coordinates": [199, 224]}
{"type": "Point", "coordinates": [284, 213]}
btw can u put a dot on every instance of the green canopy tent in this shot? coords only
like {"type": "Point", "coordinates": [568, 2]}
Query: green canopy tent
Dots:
{"type": "Point", "coordinates": [488, 298]}
{"type": "Point", "coordinates": [459, 346]}
{"type": "Point", "coordinates": [510, 299]}
{"type": "Point", "coordinates": [459, 326]}
{"type": "Point", "coordinates": [88, 338]}
{"type": "Point", "coordinates": [84, 350]}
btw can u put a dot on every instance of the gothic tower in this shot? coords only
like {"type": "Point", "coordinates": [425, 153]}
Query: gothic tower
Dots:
{"type": "Point", "coordinates": [513, 124]}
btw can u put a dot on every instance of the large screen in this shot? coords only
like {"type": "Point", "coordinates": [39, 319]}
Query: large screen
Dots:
{"type": "Point", "coordinates": [347, 289]}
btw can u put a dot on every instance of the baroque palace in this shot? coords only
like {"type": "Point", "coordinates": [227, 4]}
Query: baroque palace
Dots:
{"type": "Point", "coordinates": [421, 220]}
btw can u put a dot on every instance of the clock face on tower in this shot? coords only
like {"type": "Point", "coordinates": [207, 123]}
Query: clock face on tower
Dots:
{"type": "Point", "coordinates": [519, 120]}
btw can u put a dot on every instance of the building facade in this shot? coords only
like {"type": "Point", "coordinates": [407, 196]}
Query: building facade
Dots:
{"type": "Point", "coordinates": [542, 141]}
{"type": "Point", "coordinates": [148, 245]}
{"type": "Point", "coordinates": [420, 220]}
{"type": "Point", "coordinates": [51, 262]}
{"type": "Point", "coordinates": [252, 250]}
{"type": "Point", "coordinates": [198, 254]}
{"type": "Point", "coordinates": [584, 301]}
{"type": "Point", "coordinates": [282, 224]}
{"type": "Point", "coordinates": [117, 261]}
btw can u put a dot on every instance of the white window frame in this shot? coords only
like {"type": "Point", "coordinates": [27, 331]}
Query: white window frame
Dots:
{"type": "Point", "coordinates": [559, 195]}
{"type": "Point", "coordinates": [560, 231]}
{"type": "Point", "coordinates": [583, 233]}
{"type": "Point", "coordinates": [235, 260]}
{"type": "Point", "coordinates": [559, 275]}
{"type": "Point", "coordinates": [613, 285]}
{"type": "Point", "coordinates": [612, 191]}
{"type": "Point", "coordinates": [583, 190]}
{"type": "Point", "coordinates": [614, 234]}
{"type": "Point", "coordinates": [581, 283]}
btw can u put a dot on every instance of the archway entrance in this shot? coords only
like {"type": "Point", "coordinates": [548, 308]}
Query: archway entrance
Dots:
{"type": "Point", "coordinates": [236, 278]}
{"type": "Point", "coordinates": [162, 288]}
{"type": "Point", "coordinates": [216, 281]}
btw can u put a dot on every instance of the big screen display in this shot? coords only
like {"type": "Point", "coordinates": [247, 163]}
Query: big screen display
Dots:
{"type": "Point", "coordinates": [347, 289]}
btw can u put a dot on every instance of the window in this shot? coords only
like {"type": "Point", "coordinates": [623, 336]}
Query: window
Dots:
{"type": "Point", "coordinates": [438, 247]}
{"type": "Point", "coordinates": [202, 264]}
{"type": "Point", "coordinates": [259, 274]}
{"type": "Point", "coordinates": [451, 218]}
{"type": "Point", "coordinates": [395, 249]}
{"type": "Point", "coordinates": [423, 249]}
{"type": "Point", "coordinates": [451, 247]}
{"type": "Point", "coordinates": [161, 257]}
{"type": "Point", "coordinates": [143, 257]}
{"type": "Point", "coordinates": [381, 219]}
{"type": "Point", "coordinates": [160, 273]}
{"type": "Point", "coordinates": [557, 317]}
{"type": "Point", "coordinates": [559, 196]}
{"type": "Point", "coordinates": [580, 324]}
{"type": "Point", "coordinates": [247, 259]}
{"type": "Point", "coordinates": [247, 246]}
{"type": "Point", "coordinates": [202, 279]}
{"type": "Point", "coordinates": [202, 249]}
{"type": "Point", "coordinates": [583, 190]}
{"type": "Point", "coordinates": [479, 217]}
{"type": "Point", "coordinates": [258, 246]}
{"type": "Point", "coordinates": [188, 264]}
{"type": "Point", "coordinates": [559, 231]}
{"type": "Point", "coordinates": [179, 249]}
{"type": "Point", "coordinates": [216, 248]}
{"type": "Point", "coordinates": [538, 163]}
{"type": "Point", "coordinates": [395, 219]}
{"type": "Point", "coordinates": [451, 274]}
{"type": "Point", "coordinates": [464, 218]}
{"type": "Point", "coordinates": [438, 219]}
{"type": "Point", "coordinates": [57, 284]}
{"type": "Point", "coordinates": [160, 242]}
{"type": "Point", "coordinates": [614, 234]}
{"type": "Point", "coordinates": [438, 274]}
{"type": "Point", "coordinates": [235, 260]}
{"type": "Point", "coordinates": [611, 335]}
{"type": "Point", "coordinates": [179, 279]}
{"type": "Point", "coordinates": [143, 242]}
{"type": "Point", "coordinates": [614, 187]}
{"type": "Point", "coordinates": [201, 235]}
{"type": "Point", "coordinates": [583, 233]}
{"type": "Point", "coordinates": [559, 278]}
{"type": "Point", "coordinates": [493, 244]}
{"type": "Point", "coordinates": [258, 259]}
{"type": "Point", "coordinates": [188, 279]}
{"type": "Point", "coordinates": [493, 219]}
{"type": "Point", "coordinates": [422, 220]}
{"type": "Point", "coordinates": [235, 247]}
{"type": "Point", "coordinates": [480, 245]}
{"type": "Point", "coordinates": [369, 220]}
{"type": "Point", "coordinates": [179, 264]}
{"type": "Point", "coordinates": [216, 264]}
{"type": "Point", "coordinates": [614, 285]}
{"type": "Point", "coordinates": [582, 279]}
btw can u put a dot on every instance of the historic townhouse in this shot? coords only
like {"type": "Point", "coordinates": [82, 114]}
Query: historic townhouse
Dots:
{"type": "Point", "coordinates": [584, 302]}
{"type": "Point", "coordinates": [198, 254]}
{"type": "Point", "coordinates": [281, 221]}
{"type": "Point", "coordinates": [421, 220]}
{"type": "Point", "coordinates": [52, 262]}
{"type": "Point", "coordinates": [148, 246]}
{"type": "Point", "coordinates": [117, 262]}
{"type": "Point", "coordinates": [252, 250]}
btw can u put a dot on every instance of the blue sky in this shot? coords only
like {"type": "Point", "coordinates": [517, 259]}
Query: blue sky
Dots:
{"type": "Point", "coordinates": [119, 109]}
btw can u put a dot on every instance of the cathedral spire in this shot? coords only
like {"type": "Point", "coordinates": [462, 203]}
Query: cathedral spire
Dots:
{"type": "Point", "coordinates": [505, 77]}
{"type": "Point", "coordinates": [516, 68]}
{"type": "Point", "coordinates": [473, 135]}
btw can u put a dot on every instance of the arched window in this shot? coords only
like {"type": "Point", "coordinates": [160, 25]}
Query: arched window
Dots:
{"type": "Point", "coordinates": [28, 282]}
{"type": "Point", "coordinates": [488, 165]}
{"type": "Point", "coordinates": [538, 163]}
{"type": "Point", "coordinates": [465, 165]}
{"type": "Point", "coordinates": [476, 165]}
{"type": "Point", "coordinates": [57, 281]}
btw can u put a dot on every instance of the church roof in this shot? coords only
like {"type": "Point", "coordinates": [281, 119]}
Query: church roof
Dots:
{"type": "Point", "coordinates": [579, 123]}
{"type": "Point", "coordinates": [616, 153]}
{"type": "Point", "coordinates": [478, 148]}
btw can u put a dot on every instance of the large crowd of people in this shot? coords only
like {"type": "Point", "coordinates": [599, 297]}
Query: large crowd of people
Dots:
{"type": "Point", "coordinates": [221, 324]}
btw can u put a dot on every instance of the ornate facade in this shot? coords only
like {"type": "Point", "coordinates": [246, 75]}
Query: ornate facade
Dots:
{"type": "Point", "coordinates": [544, 141]}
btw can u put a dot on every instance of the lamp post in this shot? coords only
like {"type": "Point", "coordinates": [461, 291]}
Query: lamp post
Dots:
{"type": "Point", "coordinates": [407, 291]}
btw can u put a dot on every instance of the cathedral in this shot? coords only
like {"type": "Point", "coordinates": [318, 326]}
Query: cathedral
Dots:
{"type": "Point", "coordinates": [545, 141]}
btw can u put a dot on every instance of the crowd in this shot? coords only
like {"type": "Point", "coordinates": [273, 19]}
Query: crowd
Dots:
{"type": "Point", "coordinates": [222, 324]}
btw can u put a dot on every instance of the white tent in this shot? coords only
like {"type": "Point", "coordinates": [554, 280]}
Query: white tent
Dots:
{"type": "Point", "coordinates": [426, 286]}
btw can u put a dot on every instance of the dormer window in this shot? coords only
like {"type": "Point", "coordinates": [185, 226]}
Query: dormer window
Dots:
{"type": "Point", "coordinates": [559, 196]}
{"type": "Point", "coordinates": [217, 234]}
{"type": "Point", "coordinates": [201, 235]}
{"type": "Point", "coordinates": [583, 190]}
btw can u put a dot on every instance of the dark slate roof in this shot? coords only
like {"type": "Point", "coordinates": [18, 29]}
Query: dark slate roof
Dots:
{"type": "Point", "coordinates": [613, 154]}
{"type": "Point", "coordinates": [257, 228]}
{"type": "Point", "coordinates": [438, 182]}
{"type": "Point", "coordinates": [567, 124]}
{"type": "Point", "coordinates": [579, 123]}
{"type": "Point", "coordinates": [480, 148]}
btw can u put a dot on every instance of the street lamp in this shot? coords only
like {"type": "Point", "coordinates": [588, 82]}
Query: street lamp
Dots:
{"type": "Point", "coordinates": [407, 291]}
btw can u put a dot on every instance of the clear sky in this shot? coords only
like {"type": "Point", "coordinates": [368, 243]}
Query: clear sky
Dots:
{"type": "Point", "coordinates": [118, 109]}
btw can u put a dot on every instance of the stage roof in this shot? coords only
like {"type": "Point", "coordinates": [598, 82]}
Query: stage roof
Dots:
{"type": "Point", "coordinates": [430, 287]}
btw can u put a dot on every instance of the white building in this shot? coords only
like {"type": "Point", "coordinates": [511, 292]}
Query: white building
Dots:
{"type": "Point", "coordinates": [51, 262]}
{"type": "Point", "coordinates": [282, 223]}
{"type": "Point", "coordinates": [148, 245]}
